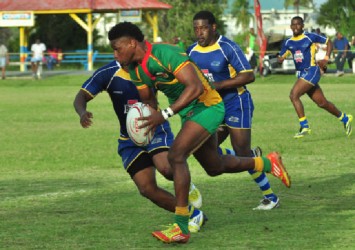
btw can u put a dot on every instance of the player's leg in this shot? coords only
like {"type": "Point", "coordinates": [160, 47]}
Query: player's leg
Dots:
{"type": "Point", "coordinates": [238, 119]}
{"type": "Point", "coordinates": [215, 164]}
{"type": "Point", "coordinates": [148, 188]}
{"type": "Point", "coordinates": [317, 95]}
{"type": "Point", "coordinates": [189, 137]}
{"type": "Point", "coordinates": [241, 140]}
{"type": "Point", "coordinates": [300, 88]}
{"type": "Point", "coordinates": [163, 139]}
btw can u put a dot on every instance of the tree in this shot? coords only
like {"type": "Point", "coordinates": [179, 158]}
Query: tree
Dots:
{"type": "Point", "coordinates": [178, 20]}
{"type": "Point", "coordinates": [298, 3]}
{"type": "Point", "coordinates": [339, 15]}
{"type": "Point", "coordinates": [61, 31]}
{"type": "Point", "coordinates": [242, 11]}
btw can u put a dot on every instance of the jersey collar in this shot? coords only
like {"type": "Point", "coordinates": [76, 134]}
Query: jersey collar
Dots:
{"type": "Point", "coordinates": [145, 60]}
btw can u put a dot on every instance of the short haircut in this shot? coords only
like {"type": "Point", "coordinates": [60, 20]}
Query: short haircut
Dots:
{"type": "Point", "coordinates": [297, 18]}
{"type": "Point", "coordinates": [125, 29]}
{"type": "Point", "coordinates": [205, 15]}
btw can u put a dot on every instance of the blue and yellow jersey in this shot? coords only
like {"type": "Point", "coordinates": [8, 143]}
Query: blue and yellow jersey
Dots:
{"type": "Point", "coordinates": [303, 49]}
{"type": "Point", "coordinates": [158, 69]}
{"type": "Point", "coordinates": [220, 61]}
{"type": "Point", "coordinates": [123, 93]}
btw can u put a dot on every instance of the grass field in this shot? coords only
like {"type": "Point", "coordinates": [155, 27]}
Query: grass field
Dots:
{"type": "Point", "coordinates": [63, 187]}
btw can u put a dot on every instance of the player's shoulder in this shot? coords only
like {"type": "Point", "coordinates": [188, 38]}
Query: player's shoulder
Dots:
{"type": "Point", "coordinates": [228, 45]}
{"type": "Point", "coordinates": [191, 47]}
{"type": "Point", "coordinates": [164, 52]}
{"type": "Point", "coordinates": [107, 71]}
{"type": "Point", "coordinates": [158, 48]}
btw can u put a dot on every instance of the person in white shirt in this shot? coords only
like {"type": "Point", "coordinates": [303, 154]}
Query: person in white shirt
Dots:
{"type": "Point", "coordinates": [4, 59]}
{"type": "Point", "coordinates": [37, 56]}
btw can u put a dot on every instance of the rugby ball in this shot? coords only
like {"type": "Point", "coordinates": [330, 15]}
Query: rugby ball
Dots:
{"type": "Point", "coordinates": [132, 123]}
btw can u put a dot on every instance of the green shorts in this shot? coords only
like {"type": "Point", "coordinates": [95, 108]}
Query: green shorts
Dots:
{"type": "Point", "coordinates": [208, 117]}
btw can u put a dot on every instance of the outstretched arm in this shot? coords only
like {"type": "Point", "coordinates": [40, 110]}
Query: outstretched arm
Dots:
{"type": "Point", "coordinates": [80, 102]}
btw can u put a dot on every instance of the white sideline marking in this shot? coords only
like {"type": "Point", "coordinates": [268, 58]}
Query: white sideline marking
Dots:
{"type": "Point", "coordinates": [46, 195]}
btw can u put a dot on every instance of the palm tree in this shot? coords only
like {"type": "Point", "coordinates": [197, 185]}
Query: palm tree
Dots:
{"type": "Point", "coordinates": [298, 3]}
{"type": "Point", "coordinates": [241, 10]}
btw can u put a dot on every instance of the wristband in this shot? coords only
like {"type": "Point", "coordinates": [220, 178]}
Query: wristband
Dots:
{"type": "Point", "coordinates": [166, 113]}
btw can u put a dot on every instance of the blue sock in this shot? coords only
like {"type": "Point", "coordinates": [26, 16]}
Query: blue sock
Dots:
{"type": "Point", "coordinates": [259, 177]}
{"type": "Point", "coordinates": [343, 118]}
{"type": "Point", "coordinates": [304, 122]}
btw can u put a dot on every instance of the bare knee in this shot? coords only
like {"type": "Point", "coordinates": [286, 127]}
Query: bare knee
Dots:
{"type": "Point", "coordinates": [176, 158]}
{"type": "Point", "coordinates": [293, 97]}
{"type": "Point", "coordinates": [147, 191]}
{"type": "Point", "coordinates": [167, 173]}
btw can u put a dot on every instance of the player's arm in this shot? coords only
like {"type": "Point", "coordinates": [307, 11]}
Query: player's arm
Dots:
{"type": "Point", "coordinates": [80, 104]}
{"type": "Point", "coordinates": [188, 76]}
{"type": "Point", "coordinates": [323, 63]}
{"type": "Point", "coordinates": [147, 96]}
{"type": "Point", "coordinates": [283, 53]}
{"type": "Point", "coordinates": [241, 79]}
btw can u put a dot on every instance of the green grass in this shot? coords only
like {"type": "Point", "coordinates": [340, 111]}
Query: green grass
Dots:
{"type": "Point", "coordinates": [63, 187]}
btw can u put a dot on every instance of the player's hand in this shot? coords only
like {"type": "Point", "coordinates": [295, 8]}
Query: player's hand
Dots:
{"type": "Point", "coordinates": [323, 64]}
{"type": "Point", "coordinates": [86, 119]}
{"type": "Point", "coordinates": [152, 121]}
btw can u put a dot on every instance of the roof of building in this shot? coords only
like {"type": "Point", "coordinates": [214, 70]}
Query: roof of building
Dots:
{"type": "Point", "coordinates": [72, 5]}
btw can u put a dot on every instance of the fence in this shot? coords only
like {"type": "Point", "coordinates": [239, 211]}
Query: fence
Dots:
{"type": "Point", "coordinates": [69, 57]}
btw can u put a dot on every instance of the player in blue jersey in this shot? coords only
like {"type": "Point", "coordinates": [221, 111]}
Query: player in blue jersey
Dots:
{"type": "Point", "coordinates": [302, 46]}
{"type": "Point", "coordinates": [139, 162]}
{"type": "Point", "coordinates": [225, 65]}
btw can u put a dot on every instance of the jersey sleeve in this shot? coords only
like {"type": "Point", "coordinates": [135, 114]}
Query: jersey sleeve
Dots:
{"type": "Point", "coordinates": [284, 52]}
{"type": "Point", "coordinates": [317, 38]}
{"type": "Point", "coordinates": [236, 57]}
{"type": "Point", "coordinates": [99, 81]}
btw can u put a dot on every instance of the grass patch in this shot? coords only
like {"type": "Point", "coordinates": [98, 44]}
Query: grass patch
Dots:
{"type": "Point", "coordinates": [63, 187]}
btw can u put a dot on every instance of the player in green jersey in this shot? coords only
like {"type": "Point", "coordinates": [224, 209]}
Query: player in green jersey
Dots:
{"type": "Point", "coordinates": [168, 69]}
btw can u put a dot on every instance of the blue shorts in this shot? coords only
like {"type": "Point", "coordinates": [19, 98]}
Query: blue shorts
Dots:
{"type": "Point", "coordinates": [310, 75]}
{"type": "Point", "coordinates": [136, 158]}
{"type": "Point", "coordinates": [239, 110]}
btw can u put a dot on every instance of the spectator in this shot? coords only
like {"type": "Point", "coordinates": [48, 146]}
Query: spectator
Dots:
{"type": "Point", "coordinates": [37, 57]}
{"type": "Point", "coordinates": [319, 33]}
{"type": "Point", "coordinates": [4, 59]}
{"type": "Point", "coordinates": [351, 54]}
{"type": "Point", "coordinates": [250, 49]}
{"type": "Point", "coordinates": [341, 46]}
{"type": "Point", "coordinates": [52, 57]}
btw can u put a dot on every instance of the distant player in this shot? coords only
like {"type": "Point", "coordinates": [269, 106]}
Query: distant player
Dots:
{"type": "Point", "coordinates": [225, 65]}
{"type": "Point", "coordinates": [302, 46]}
{"type": "Point", "coordinates": [139, 162]}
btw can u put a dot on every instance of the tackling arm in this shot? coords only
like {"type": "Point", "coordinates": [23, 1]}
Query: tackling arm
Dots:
{"type": "Point", "coordinates": [80, 103]}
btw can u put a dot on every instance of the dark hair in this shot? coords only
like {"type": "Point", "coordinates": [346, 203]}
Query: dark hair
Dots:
{"type": "Point", "coordinates": [125, 29]}
{"type": "Point", "coordinates": [298, 18]}
{"type": "Point", "coordinates": [205, 15]}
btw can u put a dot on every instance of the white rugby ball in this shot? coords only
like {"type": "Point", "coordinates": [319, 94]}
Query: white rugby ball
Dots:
{"type": "Point", "coordinates": [135, 133]}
